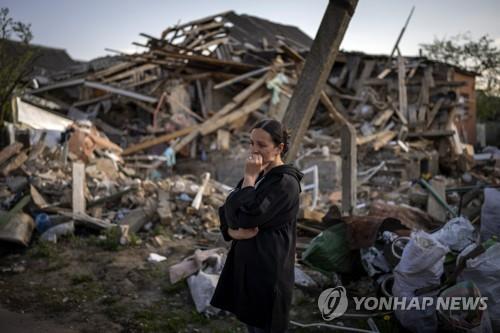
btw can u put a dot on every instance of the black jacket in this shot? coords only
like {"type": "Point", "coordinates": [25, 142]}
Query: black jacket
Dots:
{"type": "Point", "coordinates": [256, 283]}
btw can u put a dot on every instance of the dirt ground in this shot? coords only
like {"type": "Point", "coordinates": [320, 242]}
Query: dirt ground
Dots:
{"type": "Point", "coordinates": [12, 322]}
{"type": "Point", "coordinates": [91, 284]}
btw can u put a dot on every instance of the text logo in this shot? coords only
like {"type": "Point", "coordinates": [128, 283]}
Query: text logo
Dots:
{"type": "Point", "coordinates": [332, 303]}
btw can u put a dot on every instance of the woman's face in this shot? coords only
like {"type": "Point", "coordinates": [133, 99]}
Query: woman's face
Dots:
{"type": "Point", "coordinates": [261, 143]}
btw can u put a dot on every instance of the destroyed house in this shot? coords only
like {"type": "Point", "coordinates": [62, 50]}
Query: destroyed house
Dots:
{"type": "Point", "coordinates": [210, 79]}
{"type": "Point", "coordinates": [153, 143]}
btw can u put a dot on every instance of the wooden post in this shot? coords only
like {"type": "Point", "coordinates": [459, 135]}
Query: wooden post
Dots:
{"type": "Point", "coordinates": [403, 100]}
{"type": "Point", "coordinates": [78, 188]}
{"type": "Point", "coordinates": [349, 155]}
{"type": "Point", "coordinates": [316, 70]}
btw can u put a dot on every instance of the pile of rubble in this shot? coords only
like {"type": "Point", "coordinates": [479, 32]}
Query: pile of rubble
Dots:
{"type": "Point", "coordinates": [199, 87]}
{"type": "Point", "coordinates": [45, 188]}
{"type": "Point", "coordinates": [99, 148]}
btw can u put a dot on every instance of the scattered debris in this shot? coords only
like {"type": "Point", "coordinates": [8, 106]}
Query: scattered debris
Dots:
{"type": "Point", "coordinates": [154, 257]}
{"type": "Point", "coordinates": [142, 149]}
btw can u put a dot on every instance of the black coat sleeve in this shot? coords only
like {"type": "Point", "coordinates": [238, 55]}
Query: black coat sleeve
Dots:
{"type": "Point", "coordinates": [250, 208]}
{"type": "Point", "coordinates": [223, 225]}
{"type": "Point", "coordinates": [226, 218]}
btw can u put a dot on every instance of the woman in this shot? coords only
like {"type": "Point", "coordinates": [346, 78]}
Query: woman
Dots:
{"type": "Point", "coordinates": [259, 216]}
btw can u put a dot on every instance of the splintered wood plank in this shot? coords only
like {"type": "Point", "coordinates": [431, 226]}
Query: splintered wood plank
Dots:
{"type": "Point", "coordinates": [215, 122]}
{"type": "Point", "coordinates": [223, 139]}
{"type": "Point", "coordinates": [212, 126]}
{"type": "Point", "coordinates": [153, 142]}
{"type": "Point", "coordinates": [384, 139]}
{"type": "Point", "coordinates": [14, 163]}
{"type": "Point", "coordinates": [10, 151]}
{"type": "Point", "coordinates": [349, 168]}
{"type": "Point", "coordinates": [403, 100]}
{"type": "Point", "coordinates": [382, 117]}
{"type": "Point", "coordinates": [317, 69]}
{"type": "Point", "coordinates": [78, 188]}
{"type": "Point", "coordinates": [434, 112]}
{"type": "Point", "coordinates": [424, 98]}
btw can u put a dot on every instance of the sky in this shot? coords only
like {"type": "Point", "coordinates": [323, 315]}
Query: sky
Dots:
{"type": "Point", "coordinates": [86, 28]}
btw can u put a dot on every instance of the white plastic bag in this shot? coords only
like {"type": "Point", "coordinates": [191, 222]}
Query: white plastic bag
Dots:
{"type": "Point", "coordinates": [484, 271]}
{"type": "Point", "coordinates": [302, 279]}
{"type": "Point", "coordinates": [373, 261]}
{"type": "Point", "coordinates": [421, 266]}
{"type": "Point", "coordinates": [62, 229]}
{"type": "Point", "coordinates": [457, 234]}
{"type": "Point", "coordinates": [490, 214]}
{"type": "Point", "coordinates": [202, 287]}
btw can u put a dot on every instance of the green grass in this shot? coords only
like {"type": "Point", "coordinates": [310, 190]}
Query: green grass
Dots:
{"type": "Point", "coordinates": [169, 289]}
{"type": "Point", "coordinates": [81, 278]}
{"type": "Point", "coordinates": [110, 241]}
{"type": "Point", "coordinates": [42, 249]}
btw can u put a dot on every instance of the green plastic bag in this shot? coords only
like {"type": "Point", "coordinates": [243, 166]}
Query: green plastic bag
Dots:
{"type": "Point", "coordinates": [329, 252]}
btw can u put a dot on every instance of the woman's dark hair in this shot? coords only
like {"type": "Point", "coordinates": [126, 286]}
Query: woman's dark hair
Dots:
{"type": "Point", "coordinates": [277, 131]}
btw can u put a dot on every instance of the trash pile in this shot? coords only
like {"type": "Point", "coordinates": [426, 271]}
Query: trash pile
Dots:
{"type": "Point", "coordinates": [53, 190]}
{"type": "Point", "coordinates": [423, 259]}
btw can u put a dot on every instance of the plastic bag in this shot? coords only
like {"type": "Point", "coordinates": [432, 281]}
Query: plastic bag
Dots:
{"type": "Point", "coordinates": [62, 229]}
{"type": "Point", "coordinates": [490, 214]}
{"type": "Point", "coordinates": [329, 252]}
{"type": "Point", "coordinates": [484, 271]}
{"type": "Point", "coordinates": [421, 266]}
{"type": "Point", "coordinates": [202, 288]}
{"type": "Point", "coordinates": [302, 279]}
{"type": "Point", "coordinates": [374, 262]}
{"type": "Point", "coordinates": [470, 320]}
{"type": "Point", "coordinates": [457, 234]}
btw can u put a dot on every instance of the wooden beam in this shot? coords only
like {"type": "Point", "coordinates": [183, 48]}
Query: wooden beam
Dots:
{"type": "Point", "coordinates": [327, 102]}
{"type": "Point", "coordinates": [316, 70]}
{"type": "Point", "coordinates": [240, 97]}
{"type": "Point", "coordinates": [435, 134]}
{"type": "Point", "coordinates": [89, 221]}
{"type": "Point", "coordinates": [207, 126]}
{"type": "Point", "coordinates": [137, 218]}
{"type": "Point", "coordinates": [382, 117]}
{"type": "Point", "coordinates": [424, 98]}
{"type": "Point", "coordinates": [244, 110]}
{"type": "Point", "coordinates": [434, 112]}
{"type": "Point", "coordinates": [214, 124]}
{"type": "Point", "coordinates": [396, 45]}
{"type": "Point", "coordinates": [201, 98]}
{"type": "Point", "coordinates": [194, 22]}
{"type": "Point", "coordinates": [10, 151]}
{"type": "Point", "coordinates": [403, 99]}
{"type": "Point", "coordinates": [14, 163]}
{"type": "Point", "coordinates": [384, 139]}
{"type": "Point", "coordinates": [153, 142]}
{"type": "Point", "coordinates": [227, 65]}
{"type": "Point", "coordinates": [348, 152]}
{"type": "Point", "coordinates": [241, 77]}
{"type": "Point", "coordinates": [79, 204]}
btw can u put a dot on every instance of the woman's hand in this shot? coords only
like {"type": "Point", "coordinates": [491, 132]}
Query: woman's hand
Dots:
{"type": "Point", "coordinates": [253, 165]}
{"type": "Point", "coordinates": [241, 233]}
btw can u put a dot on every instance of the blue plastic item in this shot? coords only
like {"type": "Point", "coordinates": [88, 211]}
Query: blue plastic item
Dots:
{"type": "Point", "coordinates": [42, 222]}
